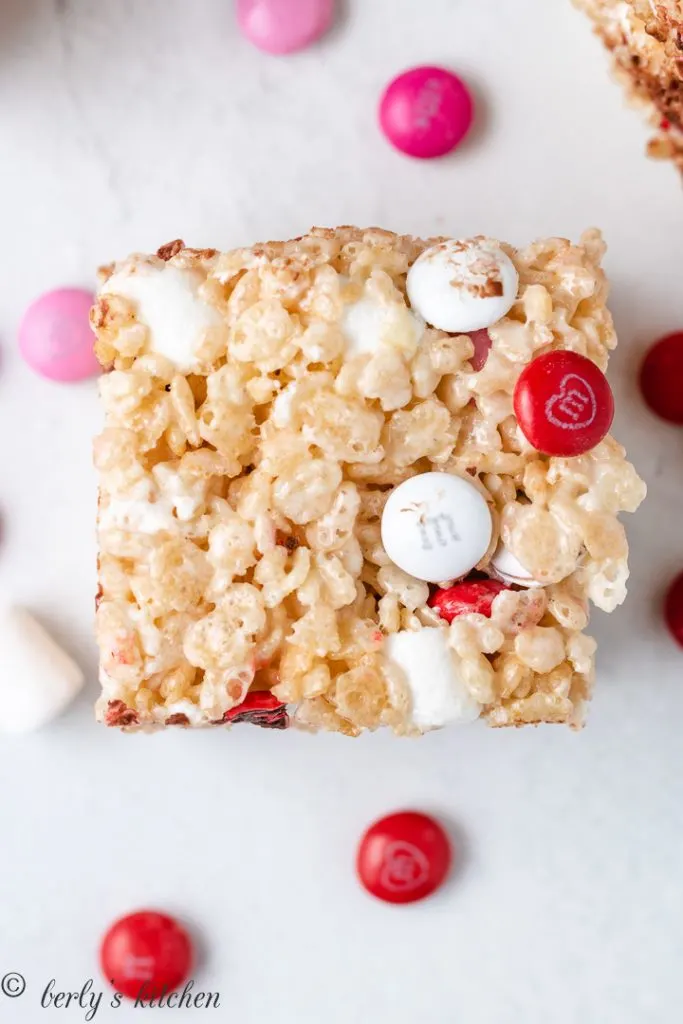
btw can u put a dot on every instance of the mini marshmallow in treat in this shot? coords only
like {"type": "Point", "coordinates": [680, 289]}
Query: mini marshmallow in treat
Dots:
{"type": "Point", "coordinates": [436, 526]}
{"type": "Point", "coordinates": [462, 286]}
{"type": "Point", "coordinates": [37, 678]}
{"type": "Point", "coordinates": [368, 323]}
{"type": "Point", "coordinates": [168, 303]}
{"type": "Point", "coordinates": [507, 567]}
{"type": "Point", "coordinates": [438, 695]}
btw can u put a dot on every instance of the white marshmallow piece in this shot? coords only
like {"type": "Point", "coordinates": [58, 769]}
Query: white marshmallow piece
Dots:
{"type": "Point", "coordinates": [168, 303]}
{"type": "Point", "coordinates": [507, 568]}
{"type": "Point", "coordinates": [367, 324]}
{"type": "Point", "coordinates": [461, 286]}
{"type": "Point", "coordinates": [436, 526]}
{"type": "Point", "coordinates": [37, 678]}
{"type": "Point", "coordinates": [429, 668]}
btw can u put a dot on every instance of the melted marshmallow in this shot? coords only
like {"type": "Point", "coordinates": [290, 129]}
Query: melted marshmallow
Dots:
{"type": "Point", "coordinates": [168, 303]}
{"type": "Point", "coordinates": [368, 323]}
{"type": "Point", "coordinates": [154, 505]}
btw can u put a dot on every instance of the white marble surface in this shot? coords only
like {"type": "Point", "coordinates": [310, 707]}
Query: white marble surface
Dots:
{"type": "Point", "coordinates": [126, 123]}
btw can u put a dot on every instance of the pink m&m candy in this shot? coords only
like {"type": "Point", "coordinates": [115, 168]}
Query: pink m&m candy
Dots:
{"type": "Point", "coordinates": [283, 26]}
{"type": "Point", "coordinates": [55, 337]}
{"type": "Point", "coordinates": [426, 112]}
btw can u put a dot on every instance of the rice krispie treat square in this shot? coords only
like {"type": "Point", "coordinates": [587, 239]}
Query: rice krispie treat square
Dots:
{"type": "Point", "coordinates": [334, 492]}
{"type": "Point", "coordinates": [645, 38]}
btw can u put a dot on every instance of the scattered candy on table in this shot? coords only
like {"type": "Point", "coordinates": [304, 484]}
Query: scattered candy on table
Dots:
{"type": "Point", "coordinates": [426, 111]}
{"type": "Point", "coordinates": [146, 954]}
{"type": "Point", "coordinates": [462, 285]}
{"type": "Point", "coordinates": [55, 337]}
{"type": "Point", "coordinates": [404, 857]}
{"type": "Point", "coordinates": [673, 609]}
{"type": "Point", "coordinates": [37, 678]}
{"type": "Point", "coordinates": [563, 404]}
{"type": "Point", "coordinates": [283, 26]}
{"type": "Point", "coordinates": [475, 597]}
{"type": "Point", "coordinates": [660, 378]}
{"type": "Point", "coordinates": [436, 526]}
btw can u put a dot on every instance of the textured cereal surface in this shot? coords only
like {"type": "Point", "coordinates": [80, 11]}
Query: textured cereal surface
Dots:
{"type": "Point", "coordinates": [645, 38]}
{"type": "Point", "coordinates": [240, 503]}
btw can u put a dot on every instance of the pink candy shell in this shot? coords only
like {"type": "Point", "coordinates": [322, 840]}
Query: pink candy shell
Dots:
{"type": "Point", "coordinates": [55, 337]}
{"type": "Point", "coordinates": [426, 111]}
{"type": "Point", "coordinates": [283, 26]}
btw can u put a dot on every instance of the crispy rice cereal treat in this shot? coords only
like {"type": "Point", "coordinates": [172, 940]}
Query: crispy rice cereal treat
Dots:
{"type": "Point", "coordinates": [645, 38]}
{"type": "Point", "coordinates": [260, 407]}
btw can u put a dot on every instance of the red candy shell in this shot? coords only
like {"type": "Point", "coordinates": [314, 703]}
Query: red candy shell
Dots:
{"type": "Point", "coordinates": [660, 378]}
{"type": "Point", "coordinates": [673, 609]}
{"type": "Point", "coordinates": [482, 346]}
{"type": "Point", "coordinates": [146, 954]}
{"type": "Point", "coordinates": [563, 404]}
{"type": "Point", "coordinates": [466, 598]}
{"type": "Point", "coordinates": [403, 857]}
{"type": "Point", "coordinates": [260, 707]}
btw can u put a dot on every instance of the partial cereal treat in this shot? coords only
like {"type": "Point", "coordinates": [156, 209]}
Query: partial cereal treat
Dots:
{"type": "Point", "coordinates": [645, 38]}
{"type": "Point", "coordinates": [278, 418]}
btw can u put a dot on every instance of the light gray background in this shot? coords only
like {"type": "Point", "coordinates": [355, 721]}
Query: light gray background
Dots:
{"type": "Point", "coordinates": [124, 124]}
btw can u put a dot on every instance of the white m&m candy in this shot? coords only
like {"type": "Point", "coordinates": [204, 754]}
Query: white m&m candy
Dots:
{"type": "Point", "coordinates": [507, 567]}
{"type": "Point", "coordinates": [461, 286]}
{"type": "Point", "coordinates": [436, 526]}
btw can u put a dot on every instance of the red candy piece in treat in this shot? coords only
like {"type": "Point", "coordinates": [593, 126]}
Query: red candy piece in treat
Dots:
{"type": "Point", "coordinates": [465, 598]}
{"type": "Point", "coordinates": [403, 857]}
{"type": "Point", "coordinates": [482, 346]}
{"type": "Point", "coordinates": [673, 609]}
{"type": "Point", "coordinates": [660, 378]}
{"type": "Point", "coordinates": [563, 404]}
{"type": "Point", "coordinates": [145, 955]}
{"type": "Point", "coordinates": [260, 707]}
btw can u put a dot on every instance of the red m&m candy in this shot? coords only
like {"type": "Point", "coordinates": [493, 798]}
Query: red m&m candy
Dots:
{"type": "Point", "coordinates": [466, 598]}
{"type": "Point", "coordinates": [262, 708]}
{"type": "Point", "coordinates": [145, 955]}
{"type": "Point", "coordinates": [563, 404]}
{"type": "Point", "coordinates": [673, 609]}
{"type": "Point", "coordinates": [403, 857]}
{"type": "Point", "coordinates": [660, 378]}
{"type": "Point", "coordinates": [482, 346]}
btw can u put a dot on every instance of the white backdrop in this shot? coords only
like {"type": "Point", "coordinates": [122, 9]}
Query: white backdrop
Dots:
{"type": "Point", "coordinates": [124, 124]}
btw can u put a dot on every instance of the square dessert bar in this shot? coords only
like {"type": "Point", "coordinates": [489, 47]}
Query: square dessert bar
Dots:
{"type": "Point", "coordinates": [645, 38]}
{"type": "Point", "coordinates": [356, 479]}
